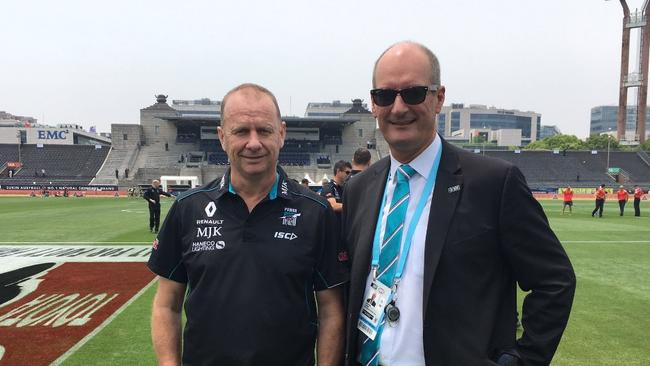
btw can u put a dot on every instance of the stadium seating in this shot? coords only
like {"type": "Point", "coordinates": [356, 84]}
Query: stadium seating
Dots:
{"type": "Point", "coordinates": [578, 168]}
{"type": "Point", "coordinates": [8, 152]}
{"type": "Point", "coordinates": [218, 158]}
{"type": "Point", "coordinates": [71, 163]}
{"type": "Point", "coordinates": [294, 158]}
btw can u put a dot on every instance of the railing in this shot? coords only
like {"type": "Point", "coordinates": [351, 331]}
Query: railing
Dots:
{"type": "Point", "coordinates": [644, 156]}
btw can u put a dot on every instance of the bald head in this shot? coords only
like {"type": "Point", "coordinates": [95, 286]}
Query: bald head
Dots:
{"type": "Point", "coordinates": [408, 47]}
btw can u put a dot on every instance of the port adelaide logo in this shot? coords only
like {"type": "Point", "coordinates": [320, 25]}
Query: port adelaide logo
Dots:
{"type": "Point", "coordinates": [290, 216]}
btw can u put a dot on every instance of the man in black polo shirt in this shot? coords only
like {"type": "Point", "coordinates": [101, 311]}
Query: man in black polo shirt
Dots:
{"type": "Point", "coordinates": [152, 195]}
{"type": "Point", "coordinates": [334, 190]}
{"type": "Point", "coordinates": [360, 161]}
{"type": "Point", "coordinates": [251, 249]}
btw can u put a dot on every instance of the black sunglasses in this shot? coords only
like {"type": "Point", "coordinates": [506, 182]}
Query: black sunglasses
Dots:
{"type": "Point", "coordinates": [413, 95]}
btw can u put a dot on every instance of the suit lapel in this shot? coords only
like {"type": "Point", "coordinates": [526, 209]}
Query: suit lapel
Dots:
{"type": "Point", "coordinates": [443, 207]}
{"type": "Point", "coordinates": [369, 206]}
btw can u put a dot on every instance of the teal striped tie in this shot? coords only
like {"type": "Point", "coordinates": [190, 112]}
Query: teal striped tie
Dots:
{"type": "Point", "coordinates": [389, 253]}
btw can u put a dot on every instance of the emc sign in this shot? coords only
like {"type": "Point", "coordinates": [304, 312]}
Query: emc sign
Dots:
{"type": "Point", "coordinates": [52, 135]}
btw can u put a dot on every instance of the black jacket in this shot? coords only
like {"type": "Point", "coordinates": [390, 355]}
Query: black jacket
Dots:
{"type": "Point", "coordinates": [486, 234]}
{"type": "Point", "coordinates": [154, 194]}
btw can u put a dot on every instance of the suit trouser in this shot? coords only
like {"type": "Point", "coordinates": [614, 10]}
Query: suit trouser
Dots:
{"type": "Point", "coordinates": [154, 216]}
{"type": "Point", "coordinates": [599, 207]}
{"type": "Point", "coordinates": [621, 205]}
{"type": "Point", "coordinates": [637, 209]}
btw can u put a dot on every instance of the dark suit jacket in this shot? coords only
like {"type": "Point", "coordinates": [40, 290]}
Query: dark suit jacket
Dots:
{"type": "Point", "coordinates": [481, 240]}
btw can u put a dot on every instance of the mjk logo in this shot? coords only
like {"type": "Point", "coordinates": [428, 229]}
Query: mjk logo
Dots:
{"type": "Point", "coordinates": [208, 232]}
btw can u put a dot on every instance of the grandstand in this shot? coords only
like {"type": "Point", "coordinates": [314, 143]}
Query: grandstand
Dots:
{"type": "Point", "coordinates": [181, 140]}
{"type": "Point", "coordinates": [64, 164]}
{"type": "Point", "coordinates": [578, 168]}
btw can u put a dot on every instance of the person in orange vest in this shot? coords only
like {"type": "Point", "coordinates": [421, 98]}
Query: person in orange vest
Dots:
{"type": "Point", "coordinates": [600, 201]}
{"type": "Point", "coordinates": [622, 198]}
{"type": "Point", "coordinates": [568, 199]}
{"type": "Point", "coordinates": [638, 193]}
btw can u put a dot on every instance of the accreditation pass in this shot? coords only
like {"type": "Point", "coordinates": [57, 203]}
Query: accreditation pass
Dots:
{"type": "Point", "coordinates": [372, 311]}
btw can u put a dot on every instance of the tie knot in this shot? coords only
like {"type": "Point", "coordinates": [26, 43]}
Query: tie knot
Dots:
{"type": "Point", "coordinates": [405, 172]}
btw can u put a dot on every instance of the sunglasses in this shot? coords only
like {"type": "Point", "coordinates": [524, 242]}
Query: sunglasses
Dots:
{"type": "Point", "coordinates": [347, 172]}
{"type": "Point", "coordinates": [412, 96]}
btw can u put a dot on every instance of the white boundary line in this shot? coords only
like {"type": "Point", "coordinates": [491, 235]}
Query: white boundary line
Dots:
{"type": "Point", "coordinates": [94, 332]}
{"type": "Point", "coordinates": [75, 242]}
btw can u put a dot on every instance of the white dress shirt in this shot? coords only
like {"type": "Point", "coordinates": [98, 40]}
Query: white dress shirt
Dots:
{"type": "Point", "coordinates": [402, 343]}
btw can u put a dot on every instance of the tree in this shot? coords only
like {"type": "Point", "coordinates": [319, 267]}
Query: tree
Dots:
{"type": "Point", "coordinates": [479, 139]}
{"type": "Point", "coordinates": [557, 142]}
{"type": "Point", "coordinates": [645, 145]}
{"type": "Point", "coordinates": [599, 142]}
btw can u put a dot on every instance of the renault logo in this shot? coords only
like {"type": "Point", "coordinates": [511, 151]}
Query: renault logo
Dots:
{"type": "Point", "coordinates": [210, 209]}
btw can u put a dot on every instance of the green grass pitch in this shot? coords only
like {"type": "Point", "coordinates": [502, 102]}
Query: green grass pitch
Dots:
{"type": "Point", "coordinates": [609, 323]}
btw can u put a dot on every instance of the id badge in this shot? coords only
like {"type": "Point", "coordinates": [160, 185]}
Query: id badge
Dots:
{"type": "Point", "coordinates": [372, 311]}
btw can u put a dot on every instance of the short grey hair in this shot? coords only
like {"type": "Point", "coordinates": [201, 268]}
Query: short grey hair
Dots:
{"type": "Point", "coordinates": [434, 77]}
{"type": "Point", "coordinates": [255, 87]}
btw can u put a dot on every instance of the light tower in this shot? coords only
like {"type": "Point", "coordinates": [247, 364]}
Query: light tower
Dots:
{"type": "Point", "coordinates": [635, 79]}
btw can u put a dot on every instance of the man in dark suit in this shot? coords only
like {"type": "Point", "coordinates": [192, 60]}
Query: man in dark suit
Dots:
{"type": "Point", "coordinates": [471, 232]}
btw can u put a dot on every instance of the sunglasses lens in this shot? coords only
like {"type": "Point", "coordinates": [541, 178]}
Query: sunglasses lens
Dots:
{"type": "Point", "coordinates": [383, 97]}
{"type": "Point", "coordinates": [414, 95]}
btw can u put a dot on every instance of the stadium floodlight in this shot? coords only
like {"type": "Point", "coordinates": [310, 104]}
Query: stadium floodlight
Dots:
{"type": "Point", "coordinates": [608, 140]}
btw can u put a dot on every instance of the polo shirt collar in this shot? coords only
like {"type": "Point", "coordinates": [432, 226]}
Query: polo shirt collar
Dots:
{"type": "Point", "coordinates": [280, 186]}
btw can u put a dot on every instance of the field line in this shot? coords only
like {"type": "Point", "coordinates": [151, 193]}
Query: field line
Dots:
{"type": "Point", "coordinates": [605, 241]}
{"type": "Point", "coordinates": [94, 332]}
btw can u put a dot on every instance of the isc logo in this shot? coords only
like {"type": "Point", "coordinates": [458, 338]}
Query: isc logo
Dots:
{"type": "Point", "coordinates": [283, 235]}
{"type": "Point", "coordinates": [52, 135]}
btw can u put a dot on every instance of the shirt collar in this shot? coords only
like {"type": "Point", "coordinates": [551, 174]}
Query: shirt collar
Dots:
{"type": "Point", "coordinates": [423, 162]}
{"type": "Point", "coordinates": [280, 186]}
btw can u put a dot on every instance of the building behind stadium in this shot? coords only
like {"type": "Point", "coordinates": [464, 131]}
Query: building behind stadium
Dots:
{"type": "Point", "coordinates": [603, 120]}
{"type": "Point", "coordinates": [176, 141]}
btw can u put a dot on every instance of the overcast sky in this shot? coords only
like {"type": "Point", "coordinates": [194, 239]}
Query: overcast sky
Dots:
{"type": "Point", "coordinates": [100, 62]}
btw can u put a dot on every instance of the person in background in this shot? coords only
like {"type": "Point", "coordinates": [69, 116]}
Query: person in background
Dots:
{"type": "Point", "coordinates": [622, 196]}
{"type": "Point", "coordinates": [152, 195]}
{"type": "Point", "coordinates": [334, 189]}
{"type": "Point", "coordinates": [360, 161]}
{"type": "Point", "coordinates": [601, 195]}
{"type": "Point", "coordinates": [567, 195]}
{"type": "Point", "coordinates": [638, 193]}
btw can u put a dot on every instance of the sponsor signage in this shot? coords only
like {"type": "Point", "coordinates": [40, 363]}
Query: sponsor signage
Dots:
{"type": "Point", "coordinates": [56, 187]}
{"type": "Point", "coordinates": [50, 136]}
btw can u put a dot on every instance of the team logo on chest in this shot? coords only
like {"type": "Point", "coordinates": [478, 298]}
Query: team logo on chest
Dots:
{"type": "Point", "coordinates": [290, 216]}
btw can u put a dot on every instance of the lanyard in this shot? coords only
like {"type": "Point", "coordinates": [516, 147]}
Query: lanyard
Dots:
{"type": "Point", "coordinates": [428, 188]}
